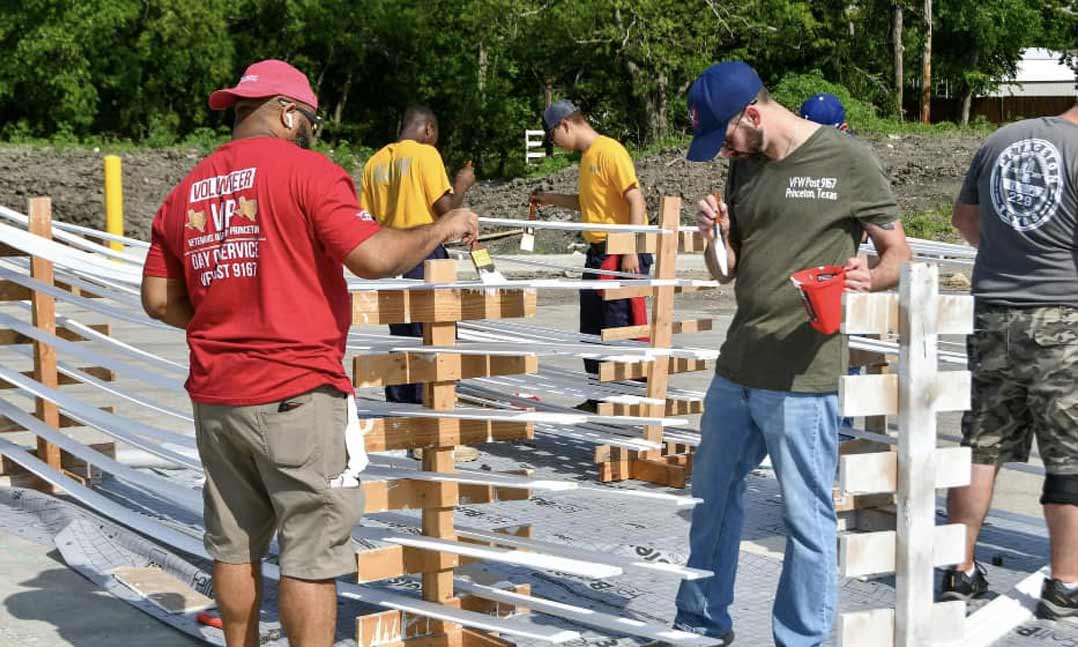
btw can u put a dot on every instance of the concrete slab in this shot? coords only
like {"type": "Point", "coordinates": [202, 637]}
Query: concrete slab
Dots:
{"type": "Point", "coordinates": [43, 603]}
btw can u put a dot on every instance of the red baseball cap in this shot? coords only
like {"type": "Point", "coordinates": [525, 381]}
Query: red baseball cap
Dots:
{"type": "Point", "coordinates": [266, 79]}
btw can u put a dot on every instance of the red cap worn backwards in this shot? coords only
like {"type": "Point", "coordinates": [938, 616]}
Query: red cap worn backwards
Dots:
{"type": "Point", "coordinates": [267, 79]}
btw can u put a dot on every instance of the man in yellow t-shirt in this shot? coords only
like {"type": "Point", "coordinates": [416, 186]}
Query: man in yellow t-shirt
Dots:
{"type": "Point", "coordinates": [405, 185]}
{"type": "Point", "coordinates": [609, 193]}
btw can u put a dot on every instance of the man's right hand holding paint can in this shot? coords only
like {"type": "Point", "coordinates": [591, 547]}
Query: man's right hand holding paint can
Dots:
{"type": "Point", "coordinates": [858, 276]}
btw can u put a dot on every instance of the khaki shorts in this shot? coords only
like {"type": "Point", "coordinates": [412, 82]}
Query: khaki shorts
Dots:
{"type": "Point", "coordinates": [1025, 383]}
{"type": "Point", "coordinates": [268, 471]}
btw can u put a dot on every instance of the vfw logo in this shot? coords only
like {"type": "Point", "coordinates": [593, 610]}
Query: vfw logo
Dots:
{"type": "Point", "coordinates": [1027, 185]}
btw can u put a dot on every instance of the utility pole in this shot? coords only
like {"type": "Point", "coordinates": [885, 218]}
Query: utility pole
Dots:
{"type": "Point", "coordinates": [899, 59]}
{"type": "Point", "coordinates": [926, 67]}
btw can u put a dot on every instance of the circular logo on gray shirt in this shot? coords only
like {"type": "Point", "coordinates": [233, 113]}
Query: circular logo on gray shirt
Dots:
{"type": "Point", "coordinates": [1027, 184]}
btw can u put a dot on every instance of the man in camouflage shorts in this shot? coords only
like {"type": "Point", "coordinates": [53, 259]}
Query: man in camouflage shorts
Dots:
{"type": "Point", "coordinates": [1025, 363]}
{"type": "Point", "coordinates": [1019, 207]}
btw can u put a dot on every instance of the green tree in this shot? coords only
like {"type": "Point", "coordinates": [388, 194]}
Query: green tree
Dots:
{"type": "Point", "coordinates": [47, 78]}
{"type": "Point", "coordinates": [126, 67]}
{"type": "Point", "coordinates": [979, 44]}
{"type": "Point", "coordinates": [142, 69]}
{"type": "Point", "coordinates": [1060, 19]}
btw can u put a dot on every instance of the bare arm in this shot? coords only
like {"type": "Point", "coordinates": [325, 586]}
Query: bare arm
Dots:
{"type": "Point", "coordinates": [461, 183]}
{"type": "Point", "coordinates": [638, 207]}
{"type": "Point", "coordinates": [893, 251]}
{"type": "Point", "coordinates": [638, 215]}
{"type": "Point", "coordinates": [446, 203]}
{"type": "Point", "coordinates": [563, 200]}
{"type": "Point", "coordinates": [966, 218]}
{"type": "Point", "coordinates": [394, 251]}
{"type": "Point", "coordinates": [710, 211]}
{"type": "Point", "coordinates": [455, 199]}
{"type": "Point", "coordinates": [166, 300]}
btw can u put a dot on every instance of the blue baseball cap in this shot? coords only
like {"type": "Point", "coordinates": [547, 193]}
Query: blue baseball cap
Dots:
{"type": "Point", "coordinates": [824, 109]}
{"type": "Point", "coordinates": [716, 97]}
{"type": "Point", "coordinates": [556, 113]}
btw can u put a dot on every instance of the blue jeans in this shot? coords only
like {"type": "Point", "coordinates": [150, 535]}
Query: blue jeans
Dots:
{"type": "Point", "coordinates": [739, 428]}
{"type": "Point", "coordinates": [596, 314]}
{"type": "Point", "coordinates": [411, 393]}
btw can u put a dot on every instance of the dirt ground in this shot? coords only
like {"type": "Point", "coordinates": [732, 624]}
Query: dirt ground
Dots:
{"type": "Point", "coordinates": [926, 173]}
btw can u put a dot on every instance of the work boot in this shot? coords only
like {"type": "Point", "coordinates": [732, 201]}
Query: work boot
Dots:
{"type": "Point", "coordinates": [1056, 601]}
{"type": "Point", "coordinates": [959, 586]}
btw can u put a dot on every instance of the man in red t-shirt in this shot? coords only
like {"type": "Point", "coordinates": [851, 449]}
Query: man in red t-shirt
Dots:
{"type": "Point", "coordinates": [247, 255]}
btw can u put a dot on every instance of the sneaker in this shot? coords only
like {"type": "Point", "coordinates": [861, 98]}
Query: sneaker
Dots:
{"type": "Point", "coordinates": [1056, 601]}
{"type": "Point", "coordinates": [959, 586]}
{"type": "Point", "coordinates": [727, 639]}
{"type": "Point", "coordinates": [588, 406]}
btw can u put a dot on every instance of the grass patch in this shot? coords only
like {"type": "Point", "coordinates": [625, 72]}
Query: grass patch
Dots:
{"type": "Point", "coordinates": [203, 141]}
{"type": "Point", "coordinates": [551, 164]}
{"type": "Point", "coordinates": [933, 224]}
{"type": "Point", "coordinates": [351, 157]}
{"type": "Point", "coordinates": [862, 116]}
{"type": "Point", "coordinates": [678, 142]}
{"type": "Point", "coordinates": [562, 160]}
{"type": "Point", "coordinates": [883, 126]}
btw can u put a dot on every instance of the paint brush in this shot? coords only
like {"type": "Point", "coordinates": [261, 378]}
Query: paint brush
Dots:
{"type": "Point", "coordinates": [527, 241]}
{"type": "Point", "coordinates": [718, 246]}
{"type": "Point", "coordinates": [484, 264]}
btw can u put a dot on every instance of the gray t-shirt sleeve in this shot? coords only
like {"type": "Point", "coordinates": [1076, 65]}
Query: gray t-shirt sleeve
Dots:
{"type": "Point", "coordinates": [970, 192]}
{"type": "Point", "coordinates": [871, 200]}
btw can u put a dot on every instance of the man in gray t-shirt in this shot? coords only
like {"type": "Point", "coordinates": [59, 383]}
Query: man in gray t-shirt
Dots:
{"type": "Point", "coordinates": [1019, 207]}
{"type": "Point", "coordinates": [1024, 181]}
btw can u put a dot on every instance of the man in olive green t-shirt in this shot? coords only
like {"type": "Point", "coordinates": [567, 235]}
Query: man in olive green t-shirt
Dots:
{"type": "Point", "coordinates": [798, 196]}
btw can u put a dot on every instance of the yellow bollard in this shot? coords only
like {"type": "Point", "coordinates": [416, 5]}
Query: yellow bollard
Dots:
{"type": "Point", "coordinates": [114, 199]}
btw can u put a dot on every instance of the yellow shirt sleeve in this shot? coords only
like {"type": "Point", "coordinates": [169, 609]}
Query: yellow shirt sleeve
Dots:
{"type": "Point", "coordinates": [619, 170]}
{"type": "Point", "coordinates": [435, 182]}
{"type": "Point", "coordinates": [365, 187]}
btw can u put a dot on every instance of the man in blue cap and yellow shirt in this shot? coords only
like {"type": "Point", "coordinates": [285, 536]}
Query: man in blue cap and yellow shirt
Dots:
{"type": "Point", "coordinates": [609, 194]}
{"type": "Point", "coordinates": [798, 195]}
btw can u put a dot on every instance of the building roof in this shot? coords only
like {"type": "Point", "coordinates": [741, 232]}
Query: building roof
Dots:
{"type": "Point", "coordinates": [1040, 73]}
{"type": "Point", "coordinates": [1042, 65]}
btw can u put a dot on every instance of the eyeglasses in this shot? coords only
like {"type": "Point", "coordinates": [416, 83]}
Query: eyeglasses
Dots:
{"type": "Point", "coordinates": [727, 144]}
{"type": "Point", "coordinates": [312, 118]}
